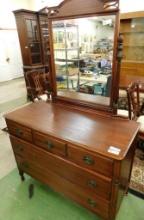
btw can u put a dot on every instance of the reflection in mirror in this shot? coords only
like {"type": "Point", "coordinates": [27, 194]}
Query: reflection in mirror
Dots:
{"type": "Point", "coordinates": [83, 53]}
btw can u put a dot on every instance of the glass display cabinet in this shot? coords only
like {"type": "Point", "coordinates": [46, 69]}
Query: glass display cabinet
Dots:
{"type": "Point", "coordinates": [132, 30]}
{"type": "Point", "coordinates": [83, 53]}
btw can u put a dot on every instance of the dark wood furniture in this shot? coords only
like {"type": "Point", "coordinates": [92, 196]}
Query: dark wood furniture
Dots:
{"type": "Point", "coordinates": [66, 15]}
{"type": "Point", "coordinates": [33, 35]}
{"type": "Point", "coordinates": [71, 143]}
{"type": "Point", "coordinates": [133, 101]}
{"type": "Point", "coordinates": [38, 83]}
{"type": "Point", "coordinates": [70, 151]}
{"type": "Point", "coordinates": [135, 110]}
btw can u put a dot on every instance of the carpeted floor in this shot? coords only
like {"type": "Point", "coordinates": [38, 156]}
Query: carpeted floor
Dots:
{"type": "Point", "coordinates": [137, 177]}
{"type": "Point", "coordinates": [49, 205]}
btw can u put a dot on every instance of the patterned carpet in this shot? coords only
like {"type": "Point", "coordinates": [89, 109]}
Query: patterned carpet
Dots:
{"type": "Point", "coordinates": [137, 178]}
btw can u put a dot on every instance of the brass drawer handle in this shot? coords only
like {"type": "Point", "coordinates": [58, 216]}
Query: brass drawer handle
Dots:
{"type": "Point", "coordinates": [19, 147]}
{"type": "Point", "coordinates": [92, 183]}
{"type": "Point", "coordinates": [91, 202]}
{"type": "Point", "coordinates": [49, 145]}
{"type": "Point", "coordinates": [88, 160]}
{"type": "Point", "coordinates": [18, 131]}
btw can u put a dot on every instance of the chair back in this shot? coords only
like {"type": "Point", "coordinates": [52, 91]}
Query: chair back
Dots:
{"type": "Point", "coordinates": [38, 83]}
{"type": "Point", "coordinates": [133, 101]}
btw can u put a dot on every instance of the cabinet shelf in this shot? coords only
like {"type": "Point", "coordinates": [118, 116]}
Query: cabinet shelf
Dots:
{"type": "Point", "coordinates": [133, 46]}
{"type": "Point", "coordinates": [132, 30]}
{"type": "Point", "coordinates": [63, 49]}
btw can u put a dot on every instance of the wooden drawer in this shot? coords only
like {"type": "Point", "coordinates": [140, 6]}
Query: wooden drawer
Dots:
{"type": "Point", "coordinates": [50, 144]}
{"type": "Point", "coordinates": [21, 147]}
{"type": "Point", "coordinates": [19, 130]}
{"type": "Point", "coordinates": [65, 187]}
{"type": "Point", "coordinates": [92, 182]}
{"type": "Point", "coordinates": [90, 161]}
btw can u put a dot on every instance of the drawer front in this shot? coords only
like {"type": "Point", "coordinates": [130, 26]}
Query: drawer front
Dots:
{"type": "Point", "coordinates": [61, 185]}
{"type": "Point", "coordinates": [50, 144]}
{"type": "Point", "coordinates": [19, 130]}
{"type": "Point", "coordinates": [92, 182]}
{"type": "Point", "coordinates": [21, 147]}
{"type": "Point", "coordinates": [90, 161]}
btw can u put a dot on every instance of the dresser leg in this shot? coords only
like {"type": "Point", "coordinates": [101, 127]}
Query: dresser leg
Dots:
{"type": "Point", "coordinates": [31, 191]}
{"type": "Point", "coordinates": [21, 173]}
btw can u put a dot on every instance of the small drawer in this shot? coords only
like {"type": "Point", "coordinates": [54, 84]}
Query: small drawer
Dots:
{"type": "Point", "coordinates": [90, 161]}
{"type": "Point", "coordinates": [21, 148]}
{"type": "Point", "coordinates": [50, 144]}
{"type": "Point", "coordinates": [19, 130]}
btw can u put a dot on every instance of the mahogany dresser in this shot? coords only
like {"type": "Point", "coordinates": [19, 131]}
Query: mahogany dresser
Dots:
{"type": "Point", "coordinates": [86, 157]}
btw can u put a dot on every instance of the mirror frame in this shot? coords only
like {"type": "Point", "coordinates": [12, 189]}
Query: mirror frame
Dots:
{"type": "Point", "coordinates": [72, 9]}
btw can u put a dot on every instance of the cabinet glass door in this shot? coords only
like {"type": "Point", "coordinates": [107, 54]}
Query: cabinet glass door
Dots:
{"type": "Point", "coordinates": [33, 41]}
{"type": "Point", "coordinates": [83, 54]}
{"type": "Point", "coordinates": [45, 38]}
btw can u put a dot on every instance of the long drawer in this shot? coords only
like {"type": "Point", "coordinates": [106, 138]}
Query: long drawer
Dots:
{"type": "Point", "coordinates": [90, 161]}
{"type": "Point", "coordinates": [71, 190]}
{"type": "Point", "coordinates": [93, 182]}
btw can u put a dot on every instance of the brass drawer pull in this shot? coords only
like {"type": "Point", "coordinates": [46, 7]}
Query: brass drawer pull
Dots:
{"type": "Point", "coordinates": [92, 183]}
{"type": "Point", "coordinates": [18, 131]}
{"type": "Point", "coordinates": [19, 147]}
{"type": "Point", "coordinates": [88, 160]}
{"type": "Point", "coordinates": [91, 202]}
{"type": "Point", "coordinates": [49, 145]}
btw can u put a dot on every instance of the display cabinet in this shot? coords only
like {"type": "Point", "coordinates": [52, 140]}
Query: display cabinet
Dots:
{"type": "Point", "coordinates": [43, 24]}
{"type": "Point", "coordinates": [29, 37]}
{"type": "Point", "coordinates": [33, 34]}
{"type": "Point", "coordinates": [132, 29]}
{"type": "Point", "coordinates": [74, 143]}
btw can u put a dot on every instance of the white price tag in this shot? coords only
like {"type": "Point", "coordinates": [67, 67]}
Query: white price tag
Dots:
{"type": "Point", "coordinates": [114, 150]}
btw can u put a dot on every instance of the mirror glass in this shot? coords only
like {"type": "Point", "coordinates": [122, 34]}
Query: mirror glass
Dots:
{"type": "Point", "coordinates": [83, 56]}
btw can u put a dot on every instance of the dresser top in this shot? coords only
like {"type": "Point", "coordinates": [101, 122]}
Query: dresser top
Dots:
{"type": "Point", "coordinates": [90, 131]}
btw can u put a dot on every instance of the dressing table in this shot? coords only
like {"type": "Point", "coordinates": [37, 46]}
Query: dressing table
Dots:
{"type": "Point", "coordinates": [74, 143]}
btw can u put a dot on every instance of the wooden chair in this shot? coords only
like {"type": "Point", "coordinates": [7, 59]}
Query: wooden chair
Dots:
{"type": "Point", "coordinates": [132, 94]}
{"type": "Point", "coordinates": [133, 101]}
{"type": "Point", "coordinates": [37, 84]}
{"type": "Point", "coordinates": [134, 108]}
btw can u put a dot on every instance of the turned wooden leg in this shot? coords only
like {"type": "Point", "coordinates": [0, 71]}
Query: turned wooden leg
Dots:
{"type": "Point", "coordinates": [31, 190]}
{"type": "Point", "coordinates": [21, 173]}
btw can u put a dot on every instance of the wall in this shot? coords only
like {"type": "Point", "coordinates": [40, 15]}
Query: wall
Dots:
{"type": "Point", "coordinates": [125, 5]}
{"type": "Point", "coordinates": [131, 5]}
{"type": "Point", "coordinates": [38, 4]}
{"type": "Point", "coordinates": [10, 56]}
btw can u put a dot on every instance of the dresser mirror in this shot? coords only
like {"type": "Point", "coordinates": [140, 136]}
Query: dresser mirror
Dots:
{"type": "Point", "coordinates": [83, 51]}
